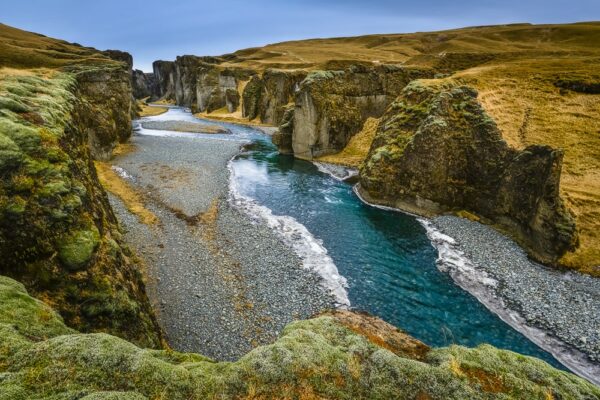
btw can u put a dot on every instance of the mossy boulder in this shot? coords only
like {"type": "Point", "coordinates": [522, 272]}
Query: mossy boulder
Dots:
{"type": "Point", "coordinates": [341, 355]}
{"type": "Point", "coordinates": [436, 151]}
{"type": "Point", "coordinates": [76, 250]}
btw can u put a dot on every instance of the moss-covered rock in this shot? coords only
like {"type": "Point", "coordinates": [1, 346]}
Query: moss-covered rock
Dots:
{"type": "Point", "coordinates": [332, 106]}
{"type": "Point", "coordinates": [57, 230]}
{"type": "Point", "coordinates": [76, 250]}
{"type": "Point", "coordinates": [337, 356]}
{"type": "Point", "coordinates": [436, 150]}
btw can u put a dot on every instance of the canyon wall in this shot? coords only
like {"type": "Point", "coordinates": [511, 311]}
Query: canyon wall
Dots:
{"type": "Point", "coordinates": [436, 150]}
{"type": "Point", "coordinates": [58, 234]}
{"type": "Point", "coordinates": [332, 106]}
{"type": "Point", "coordinates": [218, 87]}
{"type": "Point", "coordinates": [266, 96]}
{"type": "Point", "coordinates": [142, 84]}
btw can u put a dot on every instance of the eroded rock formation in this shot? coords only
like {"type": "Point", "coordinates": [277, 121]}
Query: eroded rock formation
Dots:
{"type": "Point", "coordinates": [436, 150]}
{"type": "Point", "coordinates": [332, 106]}
{"type": "Point", "coordinates": [267, 95]}
{"type": "Point", "coordinates": [217, 87]}
{"type": "Point", "coordinates": [58, 234]}
{"type": "Point", "coordinates": [142, 84]}
{"type": "Point", "coordinates": [164, 80]}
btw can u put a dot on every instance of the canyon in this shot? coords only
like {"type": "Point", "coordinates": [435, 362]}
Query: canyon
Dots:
{"type": "Point", "coordinates": [75, 315]}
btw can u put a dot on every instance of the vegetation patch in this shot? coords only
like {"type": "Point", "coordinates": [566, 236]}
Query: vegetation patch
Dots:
{"type": "Point", "coordinates": [331, 356]}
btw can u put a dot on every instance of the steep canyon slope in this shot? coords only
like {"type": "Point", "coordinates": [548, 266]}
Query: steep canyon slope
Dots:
{"type": "Point", "coordinates": [61, 106]}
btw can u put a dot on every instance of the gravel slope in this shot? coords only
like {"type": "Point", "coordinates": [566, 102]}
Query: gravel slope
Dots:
{"type": "Point", "coordinates": [221, 283]}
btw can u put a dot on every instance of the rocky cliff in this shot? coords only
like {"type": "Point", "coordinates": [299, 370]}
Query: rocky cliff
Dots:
{"type": "Point", "coordinates": [436, 150]}
{"type": "Point", "coordinates": [335, 356]}
{"type": "Point", "coordinates": [332, 106]}
{"type": "Point", "coordinates": [58, 234]}
{"type": "Point", "coordinates": [217, 87]}
{"type": "Point", "coordinates": [164, 80]}
{"type": "Point", "coordinates": [266, 95]}
{"type": "Point", "coordinates": [142, 84]}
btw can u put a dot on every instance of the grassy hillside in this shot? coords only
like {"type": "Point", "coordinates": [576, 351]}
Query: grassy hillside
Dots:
{"type": "Point", "coordinates": [22, 49]}
{"type": "Point", "coordinates": [541, 84]}
{"type": "Point", "coordinates": [422, 48]}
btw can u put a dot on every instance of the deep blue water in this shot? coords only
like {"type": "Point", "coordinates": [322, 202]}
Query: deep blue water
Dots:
{"type": "Point", "coordinates": [385, 255]}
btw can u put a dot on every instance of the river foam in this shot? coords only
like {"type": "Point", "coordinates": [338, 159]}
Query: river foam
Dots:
{"type": "Point", "coordinates": [468, 276]}
{"type": "Point", "coordinates": [310, 249]}
{"type": "Point", "coordinates": [338, 172]}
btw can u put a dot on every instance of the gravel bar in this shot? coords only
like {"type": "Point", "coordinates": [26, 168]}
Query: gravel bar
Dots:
{"type": "Point", "coordinates": [221, 283]}
{"type": "Point", "coordinates": [564, 303]}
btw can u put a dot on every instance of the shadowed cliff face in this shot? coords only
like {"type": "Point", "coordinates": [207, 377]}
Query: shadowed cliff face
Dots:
{"type": "Point", "coordinates": [436, 150]}
{"type": "Point", "coordinates": [265, 97]}
{"type": "Point", "coordinates": [332, 106]}
{"type": "Point", "coordinates": [164, 80]}
{"type": "Point", "coordinates": [142, 84]}
{"type": "Point", "coordinates": [58, 234]}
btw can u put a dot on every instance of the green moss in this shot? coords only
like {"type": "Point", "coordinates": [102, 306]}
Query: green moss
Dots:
{"type": "Point", "coordinates": [317, 358]}
{"type": "Point", "coordinates": [13, 105]}
{"type": "Point", "coordinates": [10, 154]}
{"type": "Point", "coordinates": [76, 250]}
{"type": "Point", "coordinates": [30, 317]}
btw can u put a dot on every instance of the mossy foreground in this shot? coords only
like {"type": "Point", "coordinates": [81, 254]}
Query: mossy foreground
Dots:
{"type": "Point", "coordinates": [337, 356]}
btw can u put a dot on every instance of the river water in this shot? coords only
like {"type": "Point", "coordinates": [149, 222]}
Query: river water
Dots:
{"type": "Point", "coordinates": [372, 259]}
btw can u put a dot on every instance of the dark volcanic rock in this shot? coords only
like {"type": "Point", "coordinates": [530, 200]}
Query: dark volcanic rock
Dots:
{"type": "Point", "coordinates": [436, 150]}
{"type": "Point", "coordinates": [164, 80]}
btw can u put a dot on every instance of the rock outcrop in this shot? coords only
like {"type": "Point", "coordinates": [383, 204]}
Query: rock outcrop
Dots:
{"type": "Point", "coordinates": [58, 234]}
{"type": "Point", "coordinates": [436, 150]}
{"type": "Point", "coordinates": [266, 96]}
{"type": "Point", "coordinates": [283, 138]}
{"type": "Point", "coordinates": [142, 84]}
{"type": "Point", "coordinates": [107, 109]}
{"type": "Point", "coordinates": [332, 106]}
{"type": "Point", "coordinates": [217, 87]}
{"type": "Point", "coordinates": [164, 80]}
{"type": "Point", "coordinates": [341, 355]}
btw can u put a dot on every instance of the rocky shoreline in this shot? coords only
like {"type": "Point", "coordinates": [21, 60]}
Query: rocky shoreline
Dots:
{"type": "Point", "coordinates": [222, 284]}
{"type": "Point", "coordinates": [565, 304]}
{"type": "Point", "coordinates": [558, 310]}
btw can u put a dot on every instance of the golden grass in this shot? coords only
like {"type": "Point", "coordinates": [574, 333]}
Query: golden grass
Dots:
{"type": "Point", "coordinates": [150, 111]}
{"type": "Point", "coordinates": [223, 115]}
{"type": "Point", "coordinates": [22, 49]}
{"type": "Point", "coordinates": [411, 48]}
{"type": "Point", "coordinates": [357, 148]}
{"type": "Point", "coordinates": [521, 97]}
{"type": "Point", "coordinates": [124, 191]}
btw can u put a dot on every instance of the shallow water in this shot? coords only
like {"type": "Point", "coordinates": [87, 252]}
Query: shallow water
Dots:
{"type": "Point", "coordinates": [385, 256]}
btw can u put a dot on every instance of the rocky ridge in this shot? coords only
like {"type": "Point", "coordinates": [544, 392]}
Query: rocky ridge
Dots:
{"type": "Point", "coordinates": [341, 355]}
{"type": "Point", "coordinates": [436, 150]}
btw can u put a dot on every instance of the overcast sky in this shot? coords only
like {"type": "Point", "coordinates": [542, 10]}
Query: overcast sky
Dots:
{"type": "Point", "coordinates": [152, 30]}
